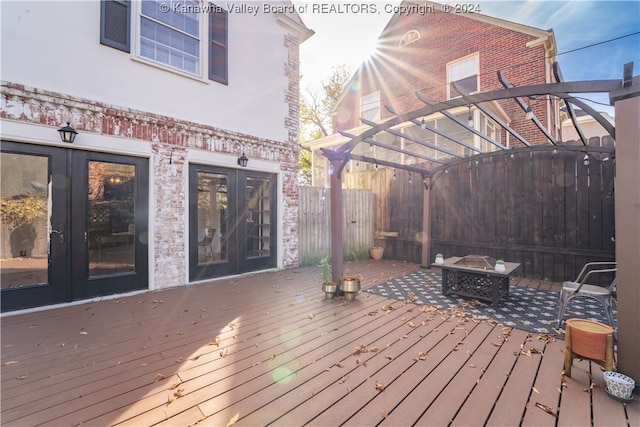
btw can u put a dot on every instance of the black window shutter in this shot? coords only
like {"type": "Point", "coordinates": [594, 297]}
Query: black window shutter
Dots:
{"type": "Point", "coordinates": [218, 29]}
{"type": "Point", "coordinates": [115, 24]}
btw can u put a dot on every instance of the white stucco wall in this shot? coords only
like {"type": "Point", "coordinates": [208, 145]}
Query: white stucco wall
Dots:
{"type": "Point", "coordinates": [64, 55]}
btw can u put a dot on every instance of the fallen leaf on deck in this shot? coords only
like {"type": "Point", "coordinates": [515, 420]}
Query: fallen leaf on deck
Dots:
{"type": "Point", "coordinates": [311, 315]}
{"type": "Point", "coordinates": [384, 414]}
{"type": "Point", "coordinates": [10, 362]}
{"type": "Point", "coordinates": [411, 324]}
{"type": "Point", "coordinates": [170, 399]}
{"type": "Point", "coordinates": [83, 333]}
{"type": "Point", "coordinates": [343, 379]}
{"type": "Point", "coordinates": [547, 409]}
{"type": "Point", "coordinates": [422, 355]}
{"type": "Point", "coordinates": [159, 377]}
{"type": "Point", "coordinates": [389, 357]}
{"type": "Point", "coordinates": [338, 364]}
{"type": "Point", "coordinates": [373, 349]}
{"type": "Point", "coordinates": [215, 342]}
{"type": "Point", "coordinates": [379, 386]}
{"type": "Point", "coordinates": [179, 392]}
{"type": "Point", "coordinates": [21, 377]}
{"type": "Point", "coordinates": [196, 357]}
{"type": "Point", "coordinates": [233, 420]}
{"type": "Point", "coordinates": [360, 362]}
{"type": "Point", "coordinates": [535, 390]}
{"type": "Point", "coordinates": [175, 385]}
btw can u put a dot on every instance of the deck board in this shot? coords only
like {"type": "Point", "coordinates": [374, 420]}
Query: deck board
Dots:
{"type": "Point", "coordinates": [270, 348]}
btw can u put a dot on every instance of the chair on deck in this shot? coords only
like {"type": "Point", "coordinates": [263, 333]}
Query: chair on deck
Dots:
{"type": "Point", "coordinates": [207, 241]}
{"type": "Point", "coordinates": [579, 288]}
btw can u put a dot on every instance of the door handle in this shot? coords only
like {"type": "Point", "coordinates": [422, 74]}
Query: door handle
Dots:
{"type": "Point", "coordinates": [59, 232]}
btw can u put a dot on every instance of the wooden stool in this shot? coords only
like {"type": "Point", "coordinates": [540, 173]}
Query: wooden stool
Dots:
{"type": "Point", "coordinates": [586, 339]}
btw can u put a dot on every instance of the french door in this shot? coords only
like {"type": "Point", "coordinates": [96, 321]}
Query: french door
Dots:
{"type": "Point", "coordinates": [232, 221]}
{"type": "Point", "coordinates": [74, 225]}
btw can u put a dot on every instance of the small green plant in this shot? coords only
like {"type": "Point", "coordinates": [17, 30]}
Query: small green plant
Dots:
{"type": "Point", "coordinates": [325, 265]}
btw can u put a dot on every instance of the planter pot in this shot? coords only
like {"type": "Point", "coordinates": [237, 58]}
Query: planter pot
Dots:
{"type": "Point", "coordinates": [350, 286]}
{"type": "Point", "coordinates": [619, 386]}
{"type": "Point", "coordinates": [499, 267]}
{"type": "Point", "coordinates": [439, 259]}
{"type": "Point", "coordinates": [376, 252]}
{"type": "Point", "coordinates": [588, 338]}
{"type": "Point", "coordinates": [329, 289]}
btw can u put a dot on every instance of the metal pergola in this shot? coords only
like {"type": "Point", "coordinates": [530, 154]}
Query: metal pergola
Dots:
{"type": "Point", "coordinates": [338, 158]}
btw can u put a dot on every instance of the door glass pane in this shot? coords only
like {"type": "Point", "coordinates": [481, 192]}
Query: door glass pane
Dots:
{"type": "Point", "coordinates": [258, 217]}
{"type": "Point", "coordinates": [111, 218]}
{"type": "Point", "coordinates": [212, 217]}
{"type": "Point", "coordinates": [24, 245]}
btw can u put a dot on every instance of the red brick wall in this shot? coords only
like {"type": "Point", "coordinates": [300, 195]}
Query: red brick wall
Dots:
{"type": "Point", "coordinates": [399, 72]}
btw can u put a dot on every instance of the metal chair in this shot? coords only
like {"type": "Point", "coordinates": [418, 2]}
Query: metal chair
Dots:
{"type": "Point", "coordinates": [207, 241]}
{"type": "Point", "coordinates": [579, 288]}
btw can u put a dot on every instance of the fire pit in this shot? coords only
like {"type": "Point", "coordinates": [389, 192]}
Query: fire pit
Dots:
{"type": "Point", "coordinates": [475, 276]}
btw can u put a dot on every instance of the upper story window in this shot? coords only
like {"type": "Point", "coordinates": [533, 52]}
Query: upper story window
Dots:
{"type": "Point", "coordinates": [370, 106]}
{"type": "Point", "coordinates": [464, 73]}
{"type": "Point", "coordinates": [409, 37]}
{"type": "Point", "coordinates": [169, 34]}
{"type": "Point", "coordinates": [184, 35]}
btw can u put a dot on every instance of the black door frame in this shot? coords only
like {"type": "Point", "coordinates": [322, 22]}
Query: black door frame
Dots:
{"type": "Point", "coordinates": [237, 261]}
{"type": "Point", "coordinates": [68, 272]}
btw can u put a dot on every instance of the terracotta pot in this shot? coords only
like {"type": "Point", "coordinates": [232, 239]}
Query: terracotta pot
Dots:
{"type": "Point", "coordinates": [588, 338]}
{"type": "Point", "coordinates": [376, 252]}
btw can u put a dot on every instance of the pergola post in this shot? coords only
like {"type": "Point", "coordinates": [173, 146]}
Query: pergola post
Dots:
{"type": "Point", "coordinates": [337, 220]}
{"type": "Point", "coordinates": [426, 223]}
{"type": "Point", "coordinates": [627, 220]}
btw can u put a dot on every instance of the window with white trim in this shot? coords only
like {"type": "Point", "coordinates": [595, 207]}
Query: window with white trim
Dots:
{"type": "Point", "coordinates": [172, 36]}
{"type": "Point", "coordinates": [370, 106]}
{"type": "Point", "coordinates": [409, 37]}
{"type": "Point", "coordinates": [464, 74]}
{"type": "Point", "coordinates": [185, 35]}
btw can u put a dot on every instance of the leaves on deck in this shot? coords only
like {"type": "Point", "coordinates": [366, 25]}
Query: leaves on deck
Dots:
{"type": "Point", "coordinates": [10, 362]}
{"type": "Point", "coordinates": [233, 420]}
{"type": "Point", "coordinates": [159, 377]}
{"type": "Point", "coordinates": [379, 386]}
{"type": "Point", "coordinates": [547, 409]}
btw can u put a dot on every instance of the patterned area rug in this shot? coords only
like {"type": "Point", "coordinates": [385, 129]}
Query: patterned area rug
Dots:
{"type": "Point", "coordinates": [525, 308]}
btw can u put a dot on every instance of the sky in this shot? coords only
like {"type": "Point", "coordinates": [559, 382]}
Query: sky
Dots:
{"type": "Point", "coordinates": [349, 38]}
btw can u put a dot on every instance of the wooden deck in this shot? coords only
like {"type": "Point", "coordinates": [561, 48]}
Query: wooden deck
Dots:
{"type": "Point", "coordinates": [268, 349]}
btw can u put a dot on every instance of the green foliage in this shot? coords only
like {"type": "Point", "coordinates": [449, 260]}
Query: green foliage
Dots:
{"type": "Point", "coordinates": [23, 210]}
{"type": "Point", "coordinates": [325, 265]}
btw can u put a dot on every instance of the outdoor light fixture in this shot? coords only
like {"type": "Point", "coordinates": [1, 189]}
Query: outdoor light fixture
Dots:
{"type": "Point", "coordinates": [243, 160]}
{"type": "Point", "coordinates": [586, 160]}
{"type": "Point", "coordinates": [470, 118]}
{"type": "Point", "coordinates": [67, 133]}
{"type": "Point", "coordinates": [423, 125]}
{"type": "Point", "coordinates": [529, 113]}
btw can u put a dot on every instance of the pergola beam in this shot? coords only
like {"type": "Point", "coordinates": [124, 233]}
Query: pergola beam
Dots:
{"type": "Point", "coordinates": [461, 123]}
{"type": "Point", "coordinates": [560, 90]}
{"type": "Point", "coordinates": [572, 114]}
{"type": "Point", "coordinates": [526, 108]}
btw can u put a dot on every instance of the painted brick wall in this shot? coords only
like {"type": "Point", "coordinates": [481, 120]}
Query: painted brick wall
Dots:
{"type": "Point", "coordinates": [399, 72]}
{"type": "Point", "coordinates": [170, 138]}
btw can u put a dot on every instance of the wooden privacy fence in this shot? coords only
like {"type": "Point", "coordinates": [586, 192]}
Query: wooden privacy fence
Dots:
{"type": "Point", "coordinates": [549, 208]}
{"type": "Point", "coordinates": [314, 238]}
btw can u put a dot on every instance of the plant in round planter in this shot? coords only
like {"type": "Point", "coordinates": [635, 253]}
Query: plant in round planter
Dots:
{"type": "Point", "coordinates": [376, 252]}
{"type": "Point", "coordinates": [349, 286]}
{"type": "Point", "coordinates": [439, 259]}
{"type": "Point", "coordinates": [329, 287]}
{"type": "Point", "coordinates": [499, 267]}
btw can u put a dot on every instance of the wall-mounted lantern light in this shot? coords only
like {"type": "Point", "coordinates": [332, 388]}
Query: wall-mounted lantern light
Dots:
{"type": "Point", "coordinates": [67, 133]}
{"type": "Point", "coordinates": [243, 160]}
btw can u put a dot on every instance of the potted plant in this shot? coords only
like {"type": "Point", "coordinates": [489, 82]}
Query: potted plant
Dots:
{"type": "Point", "coordinates": [329, 287]}
{"type": "Point", "coordinates": [499, 266]}
{"type": "Point", "coordinates": [439, 259]}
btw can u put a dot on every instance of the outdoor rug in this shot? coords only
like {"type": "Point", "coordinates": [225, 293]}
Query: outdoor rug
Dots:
{"type": "Point", "coordinates": [527, 309]}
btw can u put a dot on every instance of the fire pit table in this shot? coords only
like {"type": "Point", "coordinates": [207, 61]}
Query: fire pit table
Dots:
{"type": "Point", "coordinates": [475, 276]}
